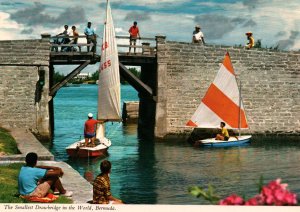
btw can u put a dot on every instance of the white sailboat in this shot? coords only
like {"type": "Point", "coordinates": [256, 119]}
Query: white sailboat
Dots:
{"type": "Point", "coordinates": [109, 94]}
{"type": "Point", "coordinates": [222, 103]}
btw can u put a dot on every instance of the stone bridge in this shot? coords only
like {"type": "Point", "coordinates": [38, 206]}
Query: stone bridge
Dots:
{"type": "Point", "coordinates": [174, 78]}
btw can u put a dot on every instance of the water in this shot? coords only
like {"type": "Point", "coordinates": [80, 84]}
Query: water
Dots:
{"type": "Point", "coordinates": [144, 172]}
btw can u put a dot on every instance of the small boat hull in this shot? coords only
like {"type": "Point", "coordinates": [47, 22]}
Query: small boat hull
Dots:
{"type": "Point", "coordinates": [78, 150]}
{"type": "Point", "coordinates": [211, 142]}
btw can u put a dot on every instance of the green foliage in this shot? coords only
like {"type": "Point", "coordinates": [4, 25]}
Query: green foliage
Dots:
{"type": "Point", "coordinates": [257, 44]}
{"type": "Point", "coordinates": [57, 77]}
{"type": "Point", "coordinates": [9, 185]}
{"type": "Point", "coordinates": [260, 183]}
{"type": "Point", "coordinates": [208, 194]}
{"type": "Point", "coordinates": [95, 76]}
{"type": "Point", "coordinates": [8, 144]}
{"type": "Point", "coordinates": [134, 71]}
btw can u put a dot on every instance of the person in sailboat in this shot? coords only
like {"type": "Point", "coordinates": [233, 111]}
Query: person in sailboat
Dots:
{"type": "Point", "coordinates": [224, 136]}
{"type": "Point", "coordinates": [101, 186]}
{"type": "Point", "coordinates": [90, 130]}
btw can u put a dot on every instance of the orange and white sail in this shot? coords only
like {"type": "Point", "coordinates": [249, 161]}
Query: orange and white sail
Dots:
{"type": "Point", "coordinates": [109, 77]}
{"type": "Point", "coordinates": [221, 102]}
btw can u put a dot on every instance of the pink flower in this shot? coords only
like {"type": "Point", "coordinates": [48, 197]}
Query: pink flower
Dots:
{"type": "Point", "coordinates": [232, 200]}
{"type": "Point", "coordinates": [276, 194]}
{"type": "Point", "coordinates": [291, 199]}
{"type": "Point", "coordinates": [257, 200]}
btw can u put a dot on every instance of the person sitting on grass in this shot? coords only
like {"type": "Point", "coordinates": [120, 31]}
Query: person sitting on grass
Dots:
{"type": "Point", "coordinates": [36, 181]}
{"type": "Point", "coordinates": [101, 186]}
{"type": "Point", "coordinates": [224, 136]}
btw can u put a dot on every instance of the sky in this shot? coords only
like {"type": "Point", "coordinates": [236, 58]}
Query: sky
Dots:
{"type": "Point", "coordinates": [274, 22]}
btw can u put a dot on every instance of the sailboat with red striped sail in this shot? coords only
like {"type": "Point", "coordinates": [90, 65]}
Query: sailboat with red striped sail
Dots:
{"type": "Point", "coordinates": [222, 103]}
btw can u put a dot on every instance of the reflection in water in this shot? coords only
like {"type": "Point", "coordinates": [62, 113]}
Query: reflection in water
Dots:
{"type": "Point", "coordinates": [144, 172]}
{"type": "Point", "coordinates": [140, 178]}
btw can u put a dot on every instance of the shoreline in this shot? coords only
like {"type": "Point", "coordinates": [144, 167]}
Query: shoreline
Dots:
{"type": "Point", "coordinates": [71, 180]}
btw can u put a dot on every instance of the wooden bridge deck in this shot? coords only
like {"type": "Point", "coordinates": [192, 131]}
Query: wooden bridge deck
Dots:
{"type": "Point", "coordinates": [70, 54]}
{"type": "Point", "coordinates": [67, 54]}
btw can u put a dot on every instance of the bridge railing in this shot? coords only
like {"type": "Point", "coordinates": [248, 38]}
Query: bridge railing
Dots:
{"type": "Point", "coordinates": [143, 46]}
{"type": "Point", "coordinates": [65, 44]}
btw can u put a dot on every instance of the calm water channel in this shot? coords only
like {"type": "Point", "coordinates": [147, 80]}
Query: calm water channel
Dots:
{"type": "Point", "coordinates": [144, 172]}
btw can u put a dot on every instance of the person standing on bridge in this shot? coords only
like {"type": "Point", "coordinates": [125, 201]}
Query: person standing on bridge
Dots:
{"type": "Point", "coordinates": [198, 36]}
{"type": "Point", "coordinates": [75, 37]}
{"type": "Point", "coordinates": [90, 37]}
{"type": "Point", "coordinates": [65, 40]}
{"type": "Point", "coordinates": [250, 38]}
{"type": "Point", "coordinates": [101, 186]}
{"type": "Point", "coordinates": [134, 35]}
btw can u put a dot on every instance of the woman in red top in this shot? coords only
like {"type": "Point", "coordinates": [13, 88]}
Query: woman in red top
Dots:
{"type": "Point", "coordinates": [90, 129]}
{"type": "Point", "coordinates": [134, 34]}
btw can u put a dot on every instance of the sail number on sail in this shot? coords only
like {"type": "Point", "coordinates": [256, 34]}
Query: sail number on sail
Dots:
{"type": "Point", "coordinates": [107, 63]}
{"type": "Point", "coordinates": [104, 45]}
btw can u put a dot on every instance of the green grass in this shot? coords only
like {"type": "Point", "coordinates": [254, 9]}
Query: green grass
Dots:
{"type": "Point", "coordinates": [8, 144]}
{"type": "Point", "coordinates": [9, 185]}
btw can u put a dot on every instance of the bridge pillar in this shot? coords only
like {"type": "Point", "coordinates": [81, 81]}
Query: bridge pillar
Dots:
{"type": "Point", "coordinates": [160, 129]}
{"type": "Point", "coordinates": [147, 106]}
{"type": "Point", "coordinates": [24, 86]}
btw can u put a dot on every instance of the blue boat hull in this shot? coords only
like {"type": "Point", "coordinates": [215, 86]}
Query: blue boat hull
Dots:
{"type": "Point", "coordinates": [242, 140]}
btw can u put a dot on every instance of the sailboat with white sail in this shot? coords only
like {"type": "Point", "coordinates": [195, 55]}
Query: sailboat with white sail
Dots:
{"type": "Point", "coordinates": [222, 103]}
{"type": "Point", "coordinates": [109, 93]}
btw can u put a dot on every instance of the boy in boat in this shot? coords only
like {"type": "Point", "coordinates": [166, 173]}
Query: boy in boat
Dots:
{"type": "Point", "coordinates": [90, 130]}
{"type": "Point", "coordinates": [36, 181]}
{"type": "Point", "coordinates": [224, 136]}
{"type": "Point", "coordinates": [101, 186]}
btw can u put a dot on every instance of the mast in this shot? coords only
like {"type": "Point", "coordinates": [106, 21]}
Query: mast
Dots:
{"type": "Point", "coordinates": [240, 104]}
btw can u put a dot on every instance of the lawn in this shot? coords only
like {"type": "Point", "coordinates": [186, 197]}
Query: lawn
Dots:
{"type": "Point", "coordinates": [8, 145]}
{"type": "Point", "coordinates": [9, 185]}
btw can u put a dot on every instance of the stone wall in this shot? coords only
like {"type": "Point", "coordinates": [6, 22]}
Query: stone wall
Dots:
{"type": "Point", "coordinates": [270, 85]}
{"type": "Point", "coordinates": [23, 100]}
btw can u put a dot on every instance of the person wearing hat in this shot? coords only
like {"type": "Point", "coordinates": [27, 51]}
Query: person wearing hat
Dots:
{"type": "Point", "coordinates": [198, 36]}
{"type": "Point", "coordinates": [90, 130]}
{"type": "Point", "coordinates": [250, 38]}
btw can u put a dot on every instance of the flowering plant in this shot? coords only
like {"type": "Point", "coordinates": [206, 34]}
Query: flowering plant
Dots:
{"type": "Point", "coordinates": [274, 193]}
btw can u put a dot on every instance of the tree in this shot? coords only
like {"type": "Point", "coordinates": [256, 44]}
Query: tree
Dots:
{"type": "Point", "coordinates": [95, 76]}
{"type": "Point", "coordinates": [57, 77]}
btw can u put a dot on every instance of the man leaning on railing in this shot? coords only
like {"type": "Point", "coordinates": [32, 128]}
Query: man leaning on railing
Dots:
{"type": "Point", "coordinates": [90, 37]}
